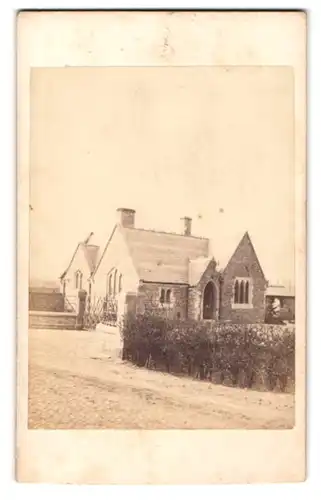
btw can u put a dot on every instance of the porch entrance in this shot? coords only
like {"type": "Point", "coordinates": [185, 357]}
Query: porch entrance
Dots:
{"type": "Point", "coordinates": [209, 299]}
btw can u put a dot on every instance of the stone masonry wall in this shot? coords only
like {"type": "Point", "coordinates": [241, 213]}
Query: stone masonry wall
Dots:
{"type": "Point", "coordinates": [194, 303]}
{"type": "Point", "coordinates": [243, 264]}
{"type": "Point", "coordinates": [149, 295]}
{"type": "Point", "coordinates": [195, 294]}
{"type": "Point", "coordinates": [46, 301]}
{"type": "Point", "coordinates": [51, 320]}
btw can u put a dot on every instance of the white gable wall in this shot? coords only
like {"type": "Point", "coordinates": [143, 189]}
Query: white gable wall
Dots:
{"type": "Point", "coordinates": [116, 256]}
{"type": "Point", "coordinates": [79, 263]}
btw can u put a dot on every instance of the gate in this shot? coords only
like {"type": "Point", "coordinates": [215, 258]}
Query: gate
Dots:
{"type": "Point", "coordinates": [100, 310]}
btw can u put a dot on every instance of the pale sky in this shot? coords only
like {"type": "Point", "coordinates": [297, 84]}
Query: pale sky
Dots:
{"type": "Point", "coordinates": [167, 142]}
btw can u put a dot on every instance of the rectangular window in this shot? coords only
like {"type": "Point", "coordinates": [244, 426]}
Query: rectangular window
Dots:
{"type": "Point", "coordinates": [166, 299]}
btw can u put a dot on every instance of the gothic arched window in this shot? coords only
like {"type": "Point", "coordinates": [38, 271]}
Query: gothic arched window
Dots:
{"type": "Point", "coordinates": [78, 279]}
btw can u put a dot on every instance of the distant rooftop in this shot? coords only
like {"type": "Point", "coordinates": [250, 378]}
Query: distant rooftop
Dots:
{"type": "Point", "coordinates": [280, 291]}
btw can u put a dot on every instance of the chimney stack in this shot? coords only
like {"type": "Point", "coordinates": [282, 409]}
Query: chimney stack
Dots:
{"type": "Point", "coordinates": [126, 217]}
{"type": "Point", "coordinates": [186, 226]}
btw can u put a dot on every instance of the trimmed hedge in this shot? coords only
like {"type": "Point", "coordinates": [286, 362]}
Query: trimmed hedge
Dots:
{"type": "Point", "coordinates": [252, 356]}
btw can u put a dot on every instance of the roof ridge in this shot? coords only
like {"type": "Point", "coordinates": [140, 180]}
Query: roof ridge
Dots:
{"type": "Point", "coordinates": [104, 251]}
{"type": "Point", "coordinates": [166, 232]}
{"type": "Point", "coordinates": [70, 262]}
{"type": "Point", "coordinates": [201, 257]}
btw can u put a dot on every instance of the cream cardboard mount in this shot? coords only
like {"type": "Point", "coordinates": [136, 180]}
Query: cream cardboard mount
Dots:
{"type": "Point", "coordinates": [198, 116]}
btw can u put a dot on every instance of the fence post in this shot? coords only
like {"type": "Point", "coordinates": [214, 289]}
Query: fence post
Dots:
{"type": "Point", "coordinates": [131, 303]}
{"type": "Point", "coordinates": [82, 294]}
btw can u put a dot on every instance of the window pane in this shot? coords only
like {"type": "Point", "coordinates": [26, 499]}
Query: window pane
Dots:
{"type": "Point", "coordinates": [242, 293]}
{"type": "Point", "coordinates": [236, 292]}
{"type": "Point", "coordinates": [168, 296]}
{"type": "Point", "coordinates": [115, 282]}
{"type": "Point", "coordinates": [247, 288]}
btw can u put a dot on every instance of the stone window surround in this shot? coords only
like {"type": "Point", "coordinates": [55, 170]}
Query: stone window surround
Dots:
{"type": "Point", "coordinates": [249, 305]}
{"type": "Point", "coordinates": [165, 304]}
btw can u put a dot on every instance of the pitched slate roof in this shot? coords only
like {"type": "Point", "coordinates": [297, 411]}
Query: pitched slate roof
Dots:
{"type": "Point", "coordinates": [167, 257]}
{"type": "Point", "coordinates": [91, 256]}
{"type": "Point", "coordinates": [280, 291]}
{"type": "Point", "coordinates": [163, 257]}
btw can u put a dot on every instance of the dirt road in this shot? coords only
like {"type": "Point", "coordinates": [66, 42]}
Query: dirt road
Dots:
{"type": "Point", "coordinates": [76, 382]}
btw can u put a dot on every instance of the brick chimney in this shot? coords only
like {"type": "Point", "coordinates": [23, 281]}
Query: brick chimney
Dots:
{"type": "Point", "coordinates": [186, 226]}
{"type": "Point", "coordinates": [126, 217]}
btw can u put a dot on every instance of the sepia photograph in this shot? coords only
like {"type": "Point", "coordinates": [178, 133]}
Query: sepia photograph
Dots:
{"type": "Point", "coordinates": [161, 256]}
{"type": "Point", "coordinates": [161, 289]}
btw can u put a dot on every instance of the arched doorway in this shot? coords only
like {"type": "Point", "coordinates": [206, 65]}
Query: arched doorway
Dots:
{"type": "Point", "coordinates": [209, 301]}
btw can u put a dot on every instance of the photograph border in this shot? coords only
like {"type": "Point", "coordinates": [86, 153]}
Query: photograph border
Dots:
{"type": "Point", "coordinates": [123, 457]}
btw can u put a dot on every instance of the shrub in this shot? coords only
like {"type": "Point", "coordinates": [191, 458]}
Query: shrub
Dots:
{"type": "Point", "coordinates": [252, 356]}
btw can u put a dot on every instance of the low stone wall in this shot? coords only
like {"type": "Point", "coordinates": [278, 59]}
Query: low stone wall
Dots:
{"type": "Point", "coordinates": [52, 320]}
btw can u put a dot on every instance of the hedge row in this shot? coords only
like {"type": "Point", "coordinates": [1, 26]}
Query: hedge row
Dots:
{"type": "Point", "coordinates": [252, 356]}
